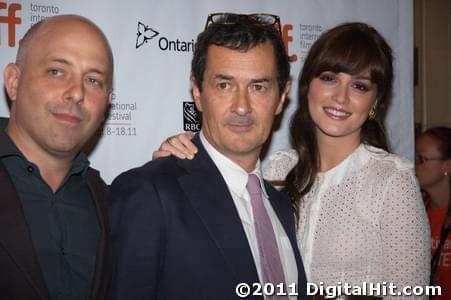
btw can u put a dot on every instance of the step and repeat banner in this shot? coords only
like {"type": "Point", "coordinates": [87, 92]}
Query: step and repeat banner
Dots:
{"type": "Point", "coordinates": [153, 43]}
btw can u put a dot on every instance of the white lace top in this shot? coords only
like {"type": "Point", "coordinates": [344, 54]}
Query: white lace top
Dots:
{"type": "Point", "coordinates": [363, 220]}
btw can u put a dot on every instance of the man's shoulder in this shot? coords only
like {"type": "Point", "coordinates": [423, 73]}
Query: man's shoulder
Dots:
{"type": "Point", "coordinates": [166, 167]}
{"type": "Point", "coordinates": [159, 177]}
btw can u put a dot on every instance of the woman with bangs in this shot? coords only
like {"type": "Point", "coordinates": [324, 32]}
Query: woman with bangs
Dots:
{"type": "Point", "coordinates": [359, 209]}
{"type": "Point", "coordinates": [361, 217]}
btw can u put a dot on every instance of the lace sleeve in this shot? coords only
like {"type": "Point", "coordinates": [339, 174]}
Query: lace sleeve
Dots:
{"type": "Point", "coordinates": [279, 165]}
{"type": "Point", "coordinates": [405, 232]}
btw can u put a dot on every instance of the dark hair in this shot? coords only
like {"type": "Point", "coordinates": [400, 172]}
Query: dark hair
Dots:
{"type": "Point", "coordinates": [349, 48]}
{"type": "Point", "coordinates": [242, 35]}
{"type": "Point", "coordinates": [443, 135]}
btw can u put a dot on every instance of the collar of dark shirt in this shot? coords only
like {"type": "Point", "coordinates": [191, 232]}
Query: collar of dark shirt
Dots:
{"type": "Point", "coordinates": [8, 148]}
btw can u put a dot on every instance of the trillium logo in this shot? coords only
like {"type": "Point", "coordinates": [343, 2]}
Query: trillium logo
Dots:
{"type": "Point", "coordinates": [145, 33]}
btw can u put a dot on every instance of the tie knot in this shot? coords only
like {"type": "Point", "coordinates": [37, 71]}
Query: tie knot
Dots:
{"type": "Point", "coordinates": [253, 184]}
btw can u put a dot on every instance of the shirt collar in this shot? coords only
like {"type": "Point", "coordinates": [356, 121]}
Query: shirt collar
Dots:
{"type": "Point", "coordinates": [7, 147]}
{"type": "Point", "coordinates": [80, 165]}
{"type": "Point", "coordinates": [235, 177]}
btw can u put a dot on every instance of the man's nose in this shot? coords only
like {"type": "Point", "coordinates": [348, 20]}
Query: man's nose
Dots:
{"type": "Point", "coordinates": [242, 103]}
{"type": "Point", "coordinates": [75, 91]}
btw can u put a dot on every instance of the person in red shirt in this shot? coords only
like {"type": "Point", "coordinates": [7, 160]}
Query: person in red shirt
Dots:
{"type": "Point", "coordinates": [433, 168]}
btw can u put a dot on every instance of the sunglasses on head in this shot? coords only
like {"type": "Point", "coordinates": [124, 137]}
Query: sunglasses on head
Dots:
{"type": "Point", "coordinates": [232, 18]}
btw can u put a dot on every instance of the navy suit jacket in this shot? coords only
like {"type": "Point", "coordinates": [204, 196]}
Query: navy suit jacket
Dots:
{"type": "Point", "coordinates": [176, 232]}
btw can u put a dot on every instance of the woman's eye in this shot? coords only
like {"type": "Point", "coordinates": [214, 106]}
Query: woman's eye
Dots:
{"type": "Point", "coordinates": [327, 77]}
{"type": "Point", "coordinates": [361, 86]}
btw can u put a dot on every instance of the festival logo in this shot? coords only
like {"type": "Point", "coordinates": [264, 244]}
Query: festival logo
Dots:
{"type": "Point", "coordinates": [11, 20]}
{"type": "Point", "coordinates": [287, 39]}
{"type": "Point", "coordinates": [298, 44]}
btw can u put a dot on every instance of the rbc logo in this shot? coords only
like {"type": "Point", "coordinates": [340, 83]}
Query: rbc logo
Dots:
{"type": "Point", "coordinates": [11, 20]}
{"type": "Point", "coordinates": [191, 117]}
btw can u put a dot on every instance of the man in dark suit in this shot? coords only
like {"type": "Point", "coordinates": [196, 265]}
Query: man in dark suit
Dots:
{"type": "Point", "coordinates": [211, 228]}
{"type": "Point", "coordinates": [54, 242]}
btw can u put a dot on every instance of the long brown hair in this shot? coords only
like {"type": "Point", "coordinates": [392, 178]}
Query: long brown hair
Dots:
{"type": "Point", "coordinates": [349, 48]}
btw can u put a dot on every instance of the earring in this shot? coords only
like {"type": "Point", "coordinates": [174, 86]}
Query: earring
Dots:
{"type": "Point", "coordinates": [445, 174]}
{"type": "Point", "coordinates": [372, 114]}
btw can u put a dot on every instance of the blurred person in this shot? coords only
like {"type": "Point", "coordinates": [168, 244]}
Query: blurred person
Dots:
{"type": "Point", "coordinates": [433, 169]}
{"type": "Point", "coordinates": [54, 242]}
{"type": "Point", "coordinates": [196, 229]}
{"type": "Point", "coordinates": [359, 209]}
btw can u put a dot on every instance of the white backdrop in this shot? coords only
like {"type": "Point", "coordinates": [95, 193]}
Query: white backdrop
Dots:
{"type": "Point", "coordinates": [152, 61]}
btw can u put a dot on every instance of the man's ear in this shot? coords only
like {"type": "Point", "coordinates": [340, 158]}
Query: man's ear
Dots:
{"type": "Point", "coordinates": [196, 94]}
{"type": "Point", "coordinates": [110, 97]}
{"type": "Point", "coordinates": [11, 77]}
{"type": "Point", "coordinates": [283, 97]}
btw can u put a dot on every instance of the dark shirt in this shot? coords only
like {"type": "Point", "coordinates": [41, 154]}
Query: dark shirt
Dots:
{"type": "Point", "coordinates": [63, 224]}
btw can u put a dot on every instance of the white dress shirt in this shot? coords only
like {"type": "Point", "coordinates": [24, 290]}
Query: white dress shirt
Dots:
{"type": "Point", "coordinates": [236, 180]}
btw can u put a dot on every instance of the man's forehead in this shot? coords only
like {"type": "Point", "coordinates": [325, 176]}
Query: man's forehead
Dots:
{"type": "Point", "coordinates": [268, 46]}
{"type": "Point", "coordinates": [259, 59]}
{"type": "Point", "coordinates": [69, 31]}
{"type": "Point", "coordinates": [59, 28]}
{"type": "Point", "coordinates": [65, 41]}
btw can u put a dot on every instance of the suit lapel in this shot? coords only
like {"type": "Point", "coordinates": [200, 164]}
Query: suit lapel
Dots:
{"type": "Point", "coordinates": [283, 210]}
{"type": "Point", "coordinates": [208, 193]}
{"type": "Point", "coordinates": [15, 237]}
{"type": "Point", "coordinates": [99, 192]}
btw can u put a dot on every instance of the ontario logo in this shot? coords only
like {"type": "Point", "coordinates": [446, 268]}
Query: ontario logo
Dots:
{"type": "Point", "coordinates": [146, 33]}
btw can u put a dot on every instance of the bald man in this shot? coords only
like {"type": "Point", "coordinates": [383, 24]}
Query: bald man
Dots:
{"type": "Point", "coordinates": [53, 228]}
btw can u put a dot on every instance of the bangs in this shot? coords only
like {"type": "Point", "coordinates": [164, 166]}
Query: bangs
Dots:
{"type": "Point", "coordinates": [352, 53]}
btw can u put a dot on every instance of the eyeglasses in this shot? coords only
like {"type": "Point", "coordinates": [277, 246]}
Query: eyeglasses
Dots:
{"type": "Point", "coordinates": [420, 159]}
{"type": "Point", "coordinates": [232, 18]}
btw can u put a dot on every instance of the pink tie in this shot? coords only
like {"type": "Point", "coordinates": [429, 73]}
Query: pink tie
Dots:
{"type": "Point", "coordinates": [271, 266]}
